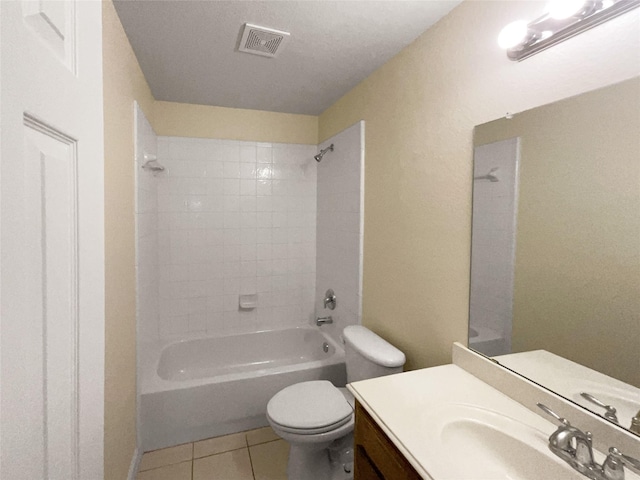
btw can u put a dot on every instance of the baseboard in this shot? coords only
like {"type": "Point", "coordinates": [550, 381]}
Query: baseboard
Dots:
{"type": "Point", "coordinates": [135, 463]}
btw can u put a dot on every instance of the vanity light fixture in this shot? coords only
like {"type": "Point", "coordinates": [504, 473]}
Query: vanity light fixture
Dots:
{"type": "Point", "coordinates": [562, 19]}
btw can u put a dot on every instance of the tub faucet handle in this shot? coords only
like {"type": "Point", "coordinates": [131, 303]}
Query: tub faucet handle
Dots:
{"type": "Point", "coordinates": [329, 299]}
{"type": "Point", "coordinates": [323, 320]}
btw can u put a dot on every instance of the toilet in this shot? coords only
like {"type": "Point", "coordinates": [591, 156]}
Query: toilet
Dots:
{"type": "Point", "coordinates": [316, 418]}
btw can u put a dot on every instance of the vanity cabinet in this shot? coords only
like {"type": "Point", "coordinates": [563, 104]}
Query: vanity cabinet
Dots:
{"type": "Point", "coordinates": [376, 457]}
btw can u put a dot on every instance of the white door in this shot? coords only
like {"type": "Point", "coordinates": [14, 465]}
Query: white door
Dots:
{"type": "Point", "coordinates": [51, 240]}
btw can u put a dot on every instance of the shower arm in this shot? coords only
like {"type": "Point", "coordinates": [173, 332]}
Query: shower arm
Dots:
{"type": "Point", "coordinates": [491, 176]}
{"type": "Point", "coordinates": [319, 156]}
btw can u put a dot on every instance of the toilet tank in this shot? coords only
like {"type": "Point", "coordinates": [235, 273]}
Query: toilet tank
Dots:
{"type": "Point", "coordinates": [367, 355]}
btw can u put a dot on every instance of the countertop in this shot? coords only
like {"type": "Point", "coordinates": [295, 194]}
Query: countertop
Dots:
{"type": "Point", "coordinates": [410, 406]}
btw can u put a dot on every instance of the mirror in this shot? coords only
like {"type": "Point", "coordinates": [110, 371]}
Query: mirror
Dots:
{"type": "Point", "coordinates": [555, 260]}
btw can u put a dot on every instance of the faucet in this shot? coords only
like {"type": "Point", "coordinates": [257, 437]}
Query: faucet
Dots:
{"type": "Point", "coordinates": [575, 447]}
{"type": "Point", "coordinates": [610, 412]}
{"type": "Point", "coordinates": [562, 441]}
{"type": "Point", "coordinates": [635, 424]}
{"type": "Point", "coordinates": [323, 320]}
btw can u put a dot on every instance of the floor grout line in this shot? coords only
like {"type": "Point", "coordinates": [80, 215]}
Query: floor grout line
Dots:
{"type": "Point", "coordinates": [218, 453]}
{"type": "Point", "coordinates": [162, 466]}
{"type": "Point", "coordinates": [253, 472]}
{"type": "Point", "coordinates": [193, 451]}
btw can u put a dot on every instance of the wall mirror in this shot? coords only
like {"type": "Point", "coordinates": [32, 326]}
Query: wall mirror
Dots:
{"type": "Point", "coordinates": [555, 268]}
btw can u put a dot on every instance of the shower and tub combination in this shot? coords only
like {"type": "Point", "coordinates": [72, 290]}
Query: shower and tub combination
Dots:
{"type": "Point", "coordinates": [237, 243]}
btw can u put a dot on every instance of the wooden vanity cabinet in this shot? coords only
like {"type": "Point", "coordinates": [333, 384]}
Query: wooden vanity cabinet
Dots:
{"type": "Point", "coordinates": [375, 456]}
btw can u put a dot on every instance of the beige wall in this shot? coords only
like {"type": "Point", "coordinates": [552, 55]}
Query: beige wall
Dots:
{"type": "Point", "coordinates": [123, 83]}
{"type": "Point", "coordinates": [185, 120]}
{"type": "Point", "coordinates": [420, 109]}
{"type": "Point", "coordinates": [577, 266]}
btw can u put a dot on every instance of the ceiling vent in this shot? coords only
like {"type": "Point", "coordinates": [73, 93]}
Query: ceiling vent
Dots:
{"type": "Point", "coordinates": [263, 41]}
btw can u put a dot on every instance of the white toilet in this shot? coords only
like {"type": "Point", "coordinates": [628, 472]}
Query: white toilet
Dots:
{"type": "Point", "coordinates": [317, 418]}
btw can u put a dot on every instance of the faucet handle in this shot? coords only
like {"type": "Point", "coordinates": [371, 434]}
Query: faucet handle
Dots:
{"type": "Point", "coordinates": [553, 414]}
{"type": "Point", "coordinates": [610, 413]}
{"type": "Point", "coordinates": [329, 299]}
{"type": "Point", "coordinates": [614, 465]}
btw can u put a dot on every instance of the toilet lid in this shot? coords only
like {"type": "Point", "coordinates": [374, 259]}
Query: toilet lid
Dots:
{"type": "Point", "coordinates": [309, 405]}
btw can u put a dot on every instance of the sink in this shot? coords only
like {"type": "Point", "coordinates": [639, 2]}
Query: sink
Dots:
{"type": "Point", "coordinates": [480, 444]}
{"type": "Point", "coordinates": [452, 426]}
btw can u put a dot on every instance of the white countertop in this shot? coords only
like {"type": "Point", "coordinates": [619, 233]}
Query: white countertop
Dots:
{"type": "Point", "coordinates": [408, 405]}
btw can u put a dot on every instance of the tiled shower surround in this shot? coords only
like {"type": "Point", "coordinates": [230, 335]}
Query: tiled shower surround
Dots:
{"type": "Point", "coordinates": [493, 250]}
{"type": "Point", "coordinates": [234, 218]}
{"type": "Point", "coordinates": [340, 228]}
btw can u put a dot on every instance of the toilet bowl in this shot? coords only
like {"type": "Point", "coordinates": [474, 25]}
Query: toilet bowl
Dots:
{"type": "Point", "coordinates": [311, 416]}
{"type": "Point", "coordinates": [316, 418]}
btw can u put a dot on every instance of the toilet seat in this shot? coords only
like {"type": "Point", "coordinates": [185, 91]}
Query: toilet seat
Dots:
{"type": "Point", "coordinates": [309, 408]}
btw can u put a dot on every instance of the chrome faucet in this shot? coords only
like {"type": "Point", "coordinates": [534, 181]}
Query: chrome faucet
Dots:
{"type": "Point", "coordinates": [575, 447]}
{"type": "Point", "coordinates": [610, 412]}
{"type": "Point", "coordinates": [323, 320]}
{"type": "Point", "coordinates": [562, 441]}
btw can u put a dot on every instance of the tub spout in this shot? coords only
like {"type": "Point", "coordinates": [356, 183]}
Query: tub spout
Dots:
{"type": "Point", "coordinates": [323, 320]}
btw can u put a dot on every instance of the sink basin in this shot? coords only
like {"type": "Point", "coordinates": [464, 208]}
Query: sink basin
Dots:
{"type": "Point", "coordinates": [452, 426]}
{"type": "Point", "coordinates": [479, 444]}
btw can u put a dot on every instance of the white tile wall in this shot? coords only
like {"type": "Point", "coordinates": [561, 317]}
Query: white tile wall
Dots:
{"type": "Point", "coordinates": [340, 228]}
{"type": "Point", "coordinates": [234, 218]}
{"type": "Point", "coordinates": [493, 249]}
{"type": "Point", "coordinates": [146, 216]}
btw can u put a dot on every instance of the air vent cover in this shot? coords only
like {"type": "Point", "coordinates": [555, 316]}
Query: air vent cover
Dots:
{"type": "Point", "coordinates": [263, 41]}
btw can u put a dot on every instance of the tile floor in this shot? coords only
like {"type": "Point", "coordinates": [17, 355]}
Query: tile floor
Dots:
{"type": "Point", "coordinates": [254, 455]}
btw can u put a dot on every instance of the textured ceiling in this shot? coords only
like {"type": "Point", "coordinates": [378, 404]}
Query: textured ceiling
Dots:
{"type": "Point", "coordinates": [188, 49]}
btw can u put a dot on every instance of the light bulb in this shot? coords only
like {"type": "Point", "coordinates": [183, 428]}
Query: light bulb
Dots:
{"type": "Point", "coordinates": [545, 34]}
{"type": "Point", "coordinates": [561, 9]}
{"type": "Point", "coordinates": [513, 34]}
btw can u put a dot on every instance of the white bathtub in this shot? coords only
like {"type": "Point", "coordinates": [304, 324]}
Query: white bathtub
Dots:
{"type": "Point", "coordinates": [202, 388]}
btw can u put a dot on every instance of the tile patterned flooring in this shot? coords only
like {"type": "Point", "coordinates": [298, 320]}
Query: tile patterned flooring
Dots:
{"type": "Point", "coordinates": [254, 455]}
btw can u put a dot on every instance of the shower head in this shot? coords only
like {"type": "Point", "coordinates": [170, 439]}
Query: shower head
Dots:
{"type": "Point", "coordinates": [319, 156]}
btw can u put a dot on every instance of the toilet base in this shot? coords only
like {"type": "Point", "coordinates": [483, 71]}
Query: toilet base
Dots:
{"type": "Point", "coordinates": [341, 457]}
{"type": "Point", "coordinates": [309, 462]}
{"type": "Point", "coordinates": [332, 460]}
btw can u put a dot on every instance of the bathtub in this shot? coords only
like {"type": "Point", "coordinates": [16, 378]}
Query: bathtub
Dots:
{"type": "Point", "coordinates": [202, 388]}
{"type": "Point", "coordinates": [488, 341]}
